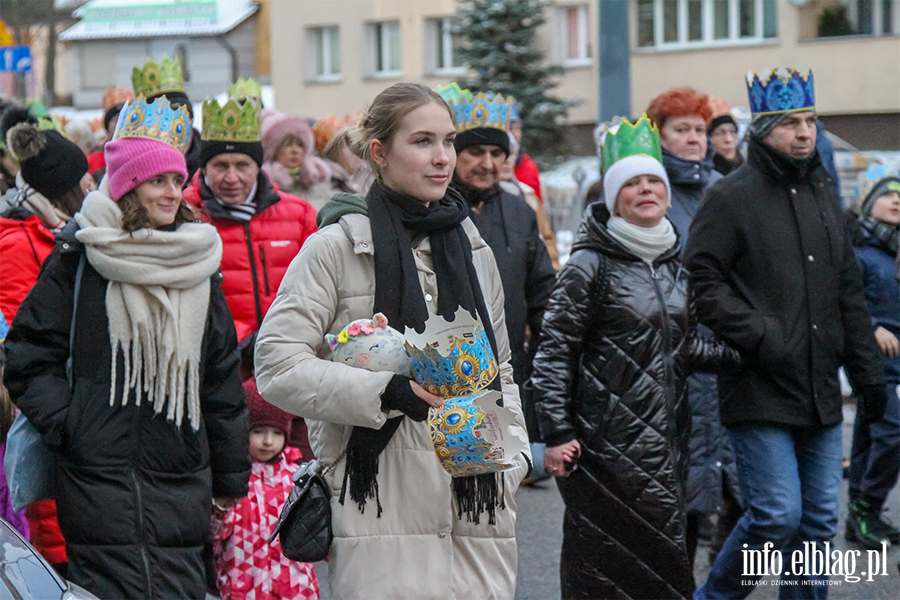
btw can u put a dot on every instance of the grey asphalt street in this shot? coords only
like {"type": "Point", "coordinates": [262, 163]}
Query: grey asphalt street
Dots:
{"type": "Point", "coordinates": [539, 535]}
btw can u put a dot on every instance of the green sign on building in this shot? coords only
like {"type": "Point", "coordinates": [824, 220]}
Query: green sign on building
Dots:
{"type": "Point", "coordinates": [147, 10]}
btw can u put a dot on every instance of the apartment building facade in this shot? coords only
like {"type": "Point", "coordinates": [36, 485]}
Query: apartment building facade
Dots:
{"type": "Point", "coordinates": [335, 56]}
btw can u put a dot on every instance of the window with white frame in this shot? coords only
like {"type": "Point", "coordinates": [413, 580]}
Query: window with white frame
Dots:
{"type": "Point", "coordinates": [384, 44]}
{"type": "Point", "coordinates": [672, 24]}
{"type": "Point", "coordinates": [441, 47]}
{"type": "Point", "coordinates": [573, 35]}
{"type": "Point", "coordinates": [325, 46]}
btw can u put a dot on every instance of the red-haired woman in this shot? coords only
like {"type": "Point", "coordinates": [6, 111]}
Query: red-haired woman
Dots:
{"type": "Point", "coordinates": [683, 116]}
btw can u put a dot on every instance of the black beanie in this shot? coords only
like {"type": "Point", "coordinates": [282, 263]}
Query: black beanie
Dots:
{"type": "Point", "coordinates": [720, 120]}
{"type": "Point", "coordinates": [12, 116]}
{"type": "Point", "coordinates": [176, 101]}
{"type": "Point", "coordinates": [111, 113]}
{"type": "Point", "coordinates": [487, 136]}
{"type": "Point", "coordinates": [50, 163]}
{"type": "Point", "coordinates": [211, 148]}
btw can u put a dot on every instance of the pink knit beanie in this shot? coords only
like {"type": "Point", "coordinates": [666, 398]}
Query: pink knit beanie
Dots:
{"type": "Point", "coordinates": [131, 161]}
{"type": "Point", "coordinates": [276, 126]}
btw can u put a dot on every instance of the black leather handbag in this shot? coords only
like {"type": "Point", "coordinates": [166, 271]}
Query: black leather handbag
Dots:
{"type": "Point", "coordinates": [304, 526]}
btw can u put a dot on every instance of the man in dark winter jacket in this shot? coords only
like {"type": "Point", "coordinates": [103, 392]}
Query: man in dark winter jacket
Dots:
{"type": "Point", "coordinates": [510, 228]}
{"type": "Point", "coordinates": [775, 275]}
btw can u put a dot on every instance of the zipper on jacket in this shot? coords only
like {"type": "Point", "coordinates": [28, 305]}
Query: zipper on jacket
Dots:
{"type": "Point", "coordinates": [259, 315]}
{"type": "Point", "coordinates": [143, 540]}
{"type": "Point", "coordinates": [265, 270]}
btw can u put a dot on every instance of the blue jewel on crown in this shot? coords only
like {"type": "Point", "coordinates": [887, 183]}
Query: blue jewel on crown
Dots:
{"type": "Point", "coordinates": [783, 90]}
{"type": "Point", "coordinates": [156, 121]}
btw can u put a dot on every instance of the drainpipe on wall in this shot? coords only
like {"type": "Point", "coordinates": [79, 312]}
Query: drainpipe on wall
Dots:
{"type": "Point", "coordinates": [615, 60]}
{"type": "Point", "coordinates": [234, 56]}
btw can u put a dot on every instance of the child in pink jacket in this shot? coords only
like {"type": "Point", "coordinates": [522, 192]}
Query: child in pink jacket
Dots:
{"type": "Point", "coordinates": [247, 566]}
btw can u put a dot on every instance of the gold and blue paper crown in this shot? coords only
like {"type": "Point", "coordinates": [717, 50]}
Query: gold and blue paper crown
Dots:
{"type": "Point", "coordinates": [154, 79]}
{"type": "Point", "coordinates": [156, 121]}
{"type": "Point", "coordinates": [622, 139]}
{"type": "Point", "coordinates": [465, 365]}
{"type": "Point", "coordinates": [871, 177]}
{"type": "Point", "coordinates": [231, 122]}
{"type": "Point", "coordinates": [479, 110]}
{"type": "Point", "coordinates": [780, 90]}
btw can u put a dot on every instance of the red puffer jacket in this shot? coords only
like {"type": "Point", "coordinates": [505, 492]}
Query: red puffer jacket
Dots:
{"type": "Point", "coordinates": [24, 245]}
{"type": "Point", "coordinates": [527, 173]}
{"type": "Point", "coordinates": [256, 254]}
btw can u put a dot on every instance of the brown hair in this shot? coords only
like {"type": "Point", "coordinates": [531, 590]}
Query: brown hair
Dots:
{"type": "Point", "coordinates": [135, 216]}
{"type": "Point", "coordinates": [335, 146]}
{"type": "Point", "coordinates": [382, 119]}
{"type": "Point", "coordinates": [71, 201]}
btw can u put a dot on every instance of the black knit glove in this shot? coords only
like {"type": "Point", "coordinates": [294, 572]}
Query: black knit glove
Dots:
{"type": "Point", "coordinates": [398, 395]}
{"type": "Point", "coordinates": [873, 403]}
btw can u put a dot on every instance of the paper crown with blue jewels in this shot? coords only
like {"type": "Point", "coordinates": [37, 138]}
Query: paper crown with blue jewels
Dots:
{"type": "Point", "coordinates": [472, 433]}
{"type": "Point", "coordinates": [780, 90]}
{"type": "Point", "coordinates": [452, 358]}
{"type": "Point", "coordinates": [472, 111]}
{"type": "Point", "coordinates": [156, 121]}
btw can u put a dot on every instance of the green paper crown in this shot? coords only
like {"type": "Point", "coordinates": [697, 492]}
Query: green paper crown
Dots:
{"type": "Point", "coordinates": [624, 139]}
{"type": "Point", "coordinates": [155, 79]}
{"type": "Point", "coordinates": [243, 90]}
{"type": "Point", "coordinates": [51, 122]}
{"type": "Point", "coordinates": [231, 122]}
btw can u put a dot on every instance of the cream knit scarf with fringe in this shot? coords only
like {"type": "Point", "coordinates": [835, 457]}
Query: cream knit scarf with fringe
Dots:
{"type": "Point", "coordinates": [157, 300]}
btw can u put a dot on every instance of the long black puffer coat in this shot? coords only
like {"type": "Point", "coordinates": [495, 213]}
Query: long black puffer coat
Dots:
{"type": "Point", "coordinates": [133, 492]}
{"type": "Point", "coordinates": [610, 371]}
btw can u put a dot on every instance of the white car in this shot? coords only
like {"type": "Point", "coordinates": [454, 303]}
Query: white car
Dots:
{"type": "Point", "coordinates": [25, 575]}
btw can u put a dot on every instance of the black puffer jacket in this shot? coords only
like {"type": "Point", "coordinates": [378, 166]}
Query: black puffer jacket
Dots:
{"type": "Point", "coordinates": [610, 371]}
{"type": "Point", "coordinates": [510, 228]}
{"type": "Point", "coordinates": [133, 491]}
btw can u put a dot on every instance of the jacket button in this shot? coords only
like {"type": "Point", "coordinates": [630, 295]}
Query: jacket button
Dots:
{"type": "Point", "coordinates": [810, 257]}
{"type": "Point", "coordinates": [442, 534]}
{"type": "Point", "coordinates": [815, 327]}
{"type": "Point", "coordinates": [428, 297]}
{"type": "Point", "coordinates": [718, 464]}
{"type": "Point", "coordinates": [66, 246]}
{"type": "Point", "coordinates": [365, 245]}
{"type": "Point", "coordinates": [793, 191]}
{"type": "Point", "coordinates": [696, 175]}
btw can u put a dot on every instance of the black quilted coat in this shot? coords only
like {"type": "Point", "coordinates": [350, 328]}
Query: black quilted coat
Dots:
{"type": "Point", "coordinates": [133, 491]}
{"type": "Point", "coordinates": [616, 347]}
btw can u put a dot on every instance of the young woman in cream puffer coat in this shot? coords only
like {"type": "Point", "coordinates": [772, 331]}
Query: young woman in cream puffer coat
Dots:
{"type": "Point", "coordinates": [415, 543]}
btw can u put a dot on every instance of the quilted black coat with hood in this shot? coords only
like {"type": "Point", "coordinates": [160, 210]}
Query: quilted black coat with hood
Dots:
{"type": "Point", "coordinates": [617, 344]}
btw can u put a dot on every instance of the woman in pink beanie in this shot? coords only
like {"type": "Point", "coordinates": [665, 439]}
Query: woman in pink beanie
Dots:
{"type": "Point", "coordinates": [124, 358]}
{"type": "Point", "coordinates": [288, 148]}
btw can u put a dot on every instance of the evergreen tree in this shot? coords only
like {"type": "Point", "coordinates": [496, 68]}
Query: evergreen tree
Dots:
{"type": "Point", "coordinates": [498, 43]}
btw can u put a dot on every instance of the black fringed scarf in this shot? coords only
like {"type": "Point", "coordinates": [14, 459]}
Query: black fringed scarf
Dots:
{"type": "Point", "coordinates": [399, 296]}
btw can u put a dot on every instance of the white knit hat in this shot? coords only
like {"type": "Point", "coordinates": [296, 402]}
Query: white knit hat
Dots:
{"type": "Point", "coordinates": [626, 168]}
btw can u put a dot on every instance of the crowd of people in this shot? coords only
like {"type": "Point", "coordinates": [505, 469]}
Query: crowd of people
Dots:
{"type": "Point", "coordinates": [169, 291]}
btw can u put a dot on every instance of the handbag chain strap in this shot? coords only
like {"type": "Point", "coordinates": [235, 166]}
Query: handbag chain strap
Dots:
{"type": "Point", "coordinates": [326, 470]}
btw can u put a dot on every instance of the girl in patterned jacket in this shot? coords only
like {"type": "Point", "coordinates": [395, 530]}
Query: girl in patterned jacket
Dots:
{"type": "Point", "coordinates": [247, 567]}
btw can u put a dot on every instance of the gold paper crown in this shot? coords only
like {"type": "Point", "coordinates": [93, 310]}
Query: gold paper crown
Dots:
{"type": "Point", "coordinates": [243, 90]}
{"type": "Point", "coordinates": [156, 121]}
{"type": "Point", "coordinates": [116, 95]}
{"type": "Point", "coordinates": [154, 79]}
{"type": "Point", "coordinates": [231, 122]}
{"type": "Point", "coordinates": [473, 112]}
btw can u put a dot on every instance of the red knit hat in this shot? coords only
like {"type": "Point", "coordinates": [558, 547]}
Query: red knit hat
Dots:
{"type": "Point", "coordinates": [131, 161]}
{"type": "Point", "coordinates": [263, 414]}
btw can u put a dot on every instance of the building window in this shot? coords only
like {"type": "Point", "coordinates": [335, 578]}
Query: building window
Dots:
{"type": "Point", "coordinates": [385, 49]}
{"type": "Point", "coordinates": [325, 44]}
{"type": "Point", "coordinates": [442, 47]}
{"type": "Point", "coordinates": [872, 17]}
{"type": "Point", "coordinates": [672, 24]}
{"type": "Point", "coordinates": [573, 35]}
